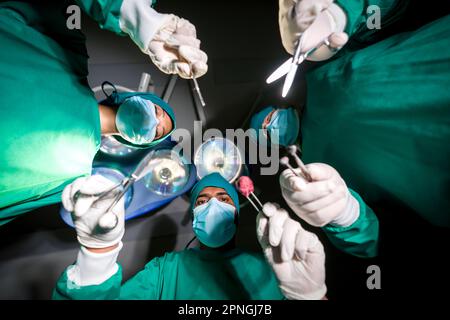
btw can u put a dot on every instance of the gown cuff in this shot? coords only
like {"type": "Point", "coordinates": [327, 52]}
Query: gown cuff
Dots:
{"type": "Point", "coordinates": [94, 268]}
{"type": "Point", "coordinates": [349, 215]}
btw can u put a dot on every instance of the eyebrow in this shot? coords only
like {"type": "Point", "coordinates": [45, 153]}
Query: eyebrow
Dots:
{"type": "Point", "coordinates": [166, 130]}
{"type": "Point", "coordinates": [203, 195]}
{"type": "Point", "coordinates": [223, 193]}
{"type": "Point", "coordinates": [269, 116]}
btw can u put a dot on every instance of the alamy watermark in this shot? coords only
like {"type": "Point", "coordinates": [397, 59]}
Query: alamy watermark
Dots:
{"type": "Point", "coordinates": [74, 19]}
{"type": "Point", "coordinates": [252, 145]}
{"type": "Point", "coordinates": [374, 280]}
{"type": "Point", "coordinates": [374, 17]}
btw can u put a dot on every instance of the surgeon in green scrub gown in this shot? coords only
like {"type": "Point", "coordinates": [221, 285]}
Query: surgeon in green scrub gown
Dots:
{"type": "Point", "coordinates": [215, 270]}
{"type": "Point", "coordinates": [49, 118]}
{"type": "Point", "coordinates": [379, 113]}
{"type": "Point", "coordinates": [384, 122]}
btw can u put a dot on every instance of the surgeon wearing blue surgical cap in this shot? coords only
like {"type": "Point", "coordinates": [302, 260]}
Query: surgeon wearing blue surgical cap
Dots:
{"type": "Point", "coordinates": [215, 205]}
{"type": "Point", "coordinates": [138, 119]}
{"type": "Point", "coordinates": [217, 269]}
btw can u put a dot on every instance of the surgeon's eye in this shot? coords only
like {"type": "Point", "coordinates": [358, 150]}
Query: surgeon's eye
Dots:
{"type": "Point", "coordinates": [158, 110]}
{"type": "Point", "coordinates": [160, 114]}
{"type": "Point", "coordinates": [200, 202]}
{"type": "Point", "coordinates": [268, 119]}
{"type": "Point", "coordinates": [225, 199]}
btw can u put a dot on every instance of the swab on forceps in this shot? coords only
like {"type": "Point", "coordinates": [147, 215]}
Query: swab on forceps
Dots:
{"type": "Point", "coordinates": [305, 172]}
{"type": "Point", "coordinates": [245, 186]}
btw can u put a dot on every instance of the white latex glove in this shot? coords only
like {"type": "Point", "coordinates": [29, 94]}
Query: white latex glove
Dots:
{"type": "Point", "coordinates": [170, 41]}
{"type": "Point", "coordinates": [324, 201]}
{"type": "Point", "coordinates": [176, 49]}
{"type": "Point", "coordinates": [318, 19]}
{"type": "Point", "coordinates": [94, 227]}
{"type": "Point", "coordinates": [93, 268]}
{"type": "Point", "coordinates": [296, 255]}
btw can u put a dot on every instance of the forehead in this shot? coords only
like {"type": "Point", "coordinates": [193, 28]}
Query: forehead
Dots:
{"type": "Point", "coordinates": [211, 191]}
{"type": "Point", "coordinates": [167, 116]}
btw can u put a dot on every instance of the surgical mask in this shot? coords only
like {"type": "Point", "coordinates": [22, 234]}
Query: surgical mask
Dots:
{"type": "Point", "coordinates": [284, 123]}
{"type": "Point", "coordinates": [136, 120]}
{"type": "Point", "coordinates": [214, 223]}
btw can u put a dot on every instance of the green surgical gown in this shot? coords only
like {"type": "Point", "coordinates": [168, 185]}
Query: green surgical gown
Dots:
{"type": "Point", "coordinates": [50, 126]}
{"type": "Point", "coordinates": [379, 112]}
{"type": "Point", "coordinates": [186, 275]}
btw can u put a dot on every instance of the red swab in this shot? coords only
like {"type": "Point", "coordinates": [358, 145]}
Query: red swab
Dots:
{"type": "Point", "coordinates": [245, 186]}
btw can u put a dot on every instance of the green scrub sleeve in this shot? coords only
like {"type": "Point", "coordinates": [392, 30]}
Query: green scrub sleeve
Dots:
{"type": "Point", "coordinates": [143, 286]}
{"type": "Point", "coordinates": [106, 13]}
{"type": "Point", "coordinates": [50, 129]}
{"type": "Point", "coordinates": [357, 13]}
{"type": "Point", "coordinates": [135, 18]}
{"type": "Point", "coordinates": [359, 239]}
{"type": "Point", "coordinates": [108, 290]}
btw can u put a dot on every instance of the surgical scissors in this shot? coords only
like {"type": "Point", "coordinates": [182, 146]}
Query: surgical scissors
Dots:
{"type": "Point", "coordinates": [290, 66]}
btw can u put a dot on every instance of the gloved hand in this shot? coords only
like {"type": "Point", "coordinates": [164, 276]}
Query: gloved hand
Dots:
{"type": "Point", "coordinates": [318, 19]}
{"type": "Point", "coordinates": [326, 200]}
{"type": "Point", "coordinates": [171, 42]}
{"type": "Point", "coordinates": [94, 228]}
{"type": "Point", "coordinates": [296, 255]}
{"type": "Point", "coordinates": [176, 49]}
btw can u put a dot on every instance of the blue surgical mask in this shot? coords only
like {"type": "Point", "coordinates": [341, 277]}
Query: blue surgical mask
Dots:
{"type": "Point", "coordinates": [136, 120]}
{"type": "Point", "coordinates": [214, 223]}
{"type": "Point", "coordinates": [284, 123]}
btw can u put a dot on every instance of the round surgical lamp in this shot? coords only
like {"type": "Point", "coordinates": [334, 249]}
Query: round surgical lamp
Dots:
{"type": "Point", "coordinates": [218, 155]}
{"type": "Point", "coordinates": [115, 176]}
{"type": "Point", "coordinates": [111, 146]}
{"type": "Point", "coordinates": [168, 172]}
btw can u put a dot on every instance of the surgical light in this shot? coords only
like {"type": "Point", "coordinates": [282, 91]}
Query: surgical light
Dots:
{"type": "Point", "coordinates": [218, 155]}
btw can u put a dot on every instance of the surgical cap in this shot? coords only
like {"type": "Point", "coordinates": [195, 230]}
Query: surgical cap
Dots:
{"type": "Point", "coordinates": [117, 98]}
{"type": "Point", "coordinates": [257, 119]}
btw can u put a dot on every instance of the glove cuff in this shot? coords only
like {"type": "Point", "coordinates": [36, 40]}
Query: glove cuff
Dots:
{"type": "Point", "coordinates": [349, 215]}
{"type": "Point", "coordinates": [90, 242]}
{"type": "Point", "coordinates": [94, 268]}
{"type": "Point", "coordinates": [337, 20]}
{"type": "Point", "coordinates": [338, 16]}
{"type": "Point", "coordinates": [141, 22]}
{"type": "Point", "coordinates": [316, 295]}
